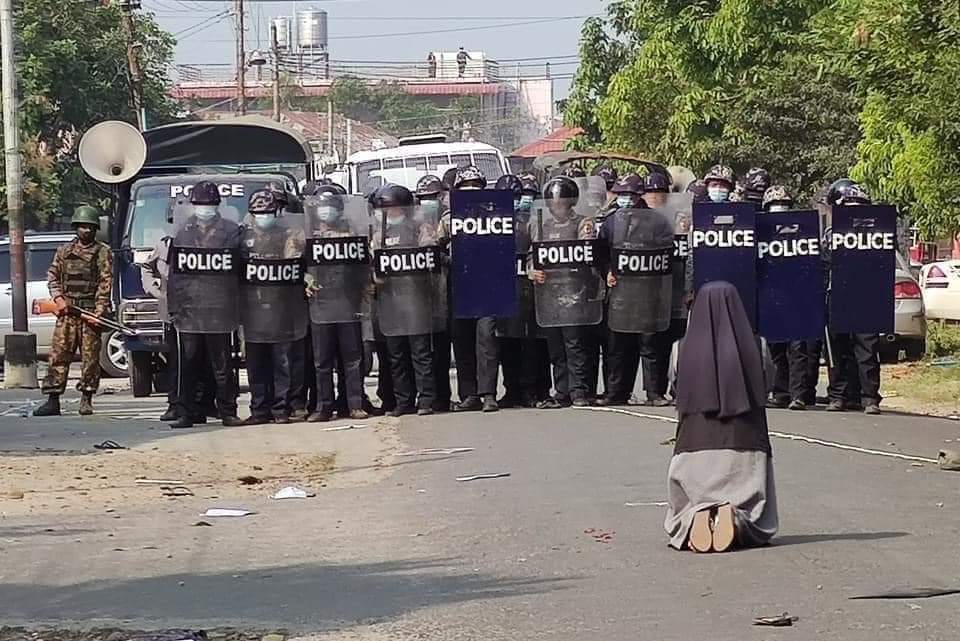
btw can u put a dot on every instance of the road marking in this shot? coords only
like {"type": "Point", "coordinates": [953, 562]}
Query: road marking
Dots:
{"type": "Point", "coordinates": [784, 435]}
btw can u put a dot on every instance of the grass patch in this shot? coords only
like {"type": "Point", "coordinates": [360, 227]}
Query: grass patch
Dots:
{"type": "Point", "coordinates": [925, 382]}
{"type": "Point", "coordinates": [943, 339]}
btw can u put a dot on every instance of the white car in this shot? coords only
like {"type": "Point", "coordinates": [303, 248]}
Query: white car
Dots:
{"type": "Point", "coordinates": [940, 283]}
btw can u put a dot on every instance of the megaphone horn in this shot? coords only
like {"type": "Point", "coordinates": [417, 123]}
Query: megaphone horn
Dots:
{"type": "Point", "coordinates": [680, 177]}
{"type": "Point", "coordinates": [112, 151]}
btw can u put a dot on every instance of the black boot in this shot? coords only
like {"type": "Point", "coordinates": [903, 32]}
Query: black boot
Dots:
{"type": "Point", "coordinates": [50, 408]}
{"type": "Point", "coordinates": [170, 415]}
{"type": "Point", "coordinates": [86, 404]}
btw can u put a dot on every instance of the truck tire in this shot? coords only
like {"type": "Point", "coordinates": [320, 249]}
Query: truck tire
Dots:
{"type": "Point", "coordinates": [140, 368]}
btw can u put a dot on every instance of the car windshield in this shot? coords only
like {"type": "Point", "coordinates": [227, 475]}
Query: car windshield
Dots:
{"type": "Point", "coordinates": [151, 205]}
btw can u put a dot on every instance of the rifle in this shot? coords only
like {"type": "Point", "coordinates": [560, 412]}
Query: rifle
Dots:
{"type": "Point", "coordinates": [49, 306]}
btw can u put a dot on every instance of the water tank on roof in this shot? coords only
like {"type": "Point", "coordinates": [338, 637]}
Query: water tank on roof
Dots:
{"type": "Point", "coordinates": [312, 29]}
{"type": "Point", "coordinates": [282, 25]}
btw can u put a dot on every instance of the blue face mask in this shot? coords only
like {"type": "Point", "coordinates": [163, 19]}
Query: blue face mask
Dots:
{"type": "Point", "coordinates": [264, 221]}
{"type": "Point", "coordinates": [625, 202]}
{"type": "Point", "coordinates": [328, 214]}
{"type": "Point", "coordinates": [205, 213]}
{"type": "Point", "coordinates": [429, 208]}
{"type": "Point", "coordinates": [526, 203]}
{"type": "Point", "coordinates": [718, 194]}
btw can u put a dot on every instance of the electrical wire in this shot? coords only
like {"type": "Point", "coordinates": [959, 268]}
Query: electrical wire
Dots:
{"type": "Point", "coordinates": [202, 25]}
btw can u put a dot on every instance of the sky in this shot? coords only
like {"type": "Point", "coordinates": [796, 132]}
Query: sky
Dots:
{"type": "Point", "coordinates": [358, 28]}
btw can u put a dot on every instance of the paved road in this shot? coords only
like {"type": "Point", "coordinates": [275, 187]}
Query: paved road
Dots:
{"type": "Point", "coordinates": [419, 555]}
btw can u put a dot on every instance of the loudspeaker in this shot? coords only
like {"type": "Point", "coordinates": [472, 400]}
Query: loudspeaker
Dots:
{"type": "Point", "coordinates": [680, 178]}
{"type": "Point", "coordinates": [112, 151]}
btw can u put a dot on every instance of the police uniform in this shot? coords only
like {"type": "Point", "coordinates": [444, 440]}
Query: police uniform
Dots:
{"type": "Point", "coordinates": [81, 276]}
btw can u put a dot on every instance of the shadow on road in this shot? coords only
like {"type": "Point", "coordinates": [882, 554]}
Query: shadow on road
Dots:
{"type": "Point", "coordinates": [304, 596]}
{"type": "Point", "coordinates": [799, 539]}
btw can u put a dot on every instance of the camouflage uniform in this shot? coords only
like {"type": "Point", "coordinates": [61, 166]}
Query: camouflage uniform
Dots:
{"type": "Point", "coordinates": [83, 274]}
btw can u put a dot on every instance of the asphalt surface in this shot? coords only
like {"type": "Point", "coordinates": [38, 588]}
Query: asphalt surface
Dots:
{"type": "Point", "coordinates": [420, 555]}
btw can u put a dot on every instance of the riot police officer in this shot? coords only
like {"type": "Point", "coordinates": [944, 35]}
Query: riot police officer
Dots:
{"type": "Point", "coordinates": [854, 378]}
{"type": "Point", "coordinates": [273, 312]}
{"type": "Point", "coordinates": [474, 339]}
{"type": "Point", "coordinates": [79, 277]}
{"type": "Point", "coordinates": [755, 184]}
{"type": "Point", "coordinates": [569, 300]}
{"type": "Point", "coordinates": [411, 301]}
{"type": "Point", "coordinates": [430, 194]}
{"type": "Point", "coordinates": [698, 189]}
{"type": "Point", "coordinates": [610, 177]}
{"type": "Point", "coordinates": [202, 298]}
{"type": "Point", "coordinates": [339, 291]}
{"type": "Point", "coordinates": [720, 181]}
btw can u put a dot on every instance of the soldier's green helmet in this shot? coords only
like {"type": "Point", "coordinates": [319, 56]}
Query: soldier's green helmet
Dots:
{"type": "Point", "coordinates": [86, 215]}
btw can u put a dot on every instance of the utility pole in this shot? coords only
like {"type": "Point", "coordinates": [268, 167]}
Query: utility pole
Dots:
{"type": "Point", "coordinates": [276, 71]}
{"type": "Point", "coordinates": [241, 61]}
{"type": "Point", "coordinates": [133, 61]}
{"type": "Point", "coordinates": [20, 346]}
{"type": "Point", "coordinates": [329, 126]}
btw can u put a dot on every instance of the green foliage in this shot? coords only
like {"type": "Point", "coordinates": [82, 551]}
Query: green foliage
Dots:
{"type": "Point", "coordinates": [72, 73]}
{"type": "Point", "coordinates": [810, 89]}
{"type": "Point", "coordinates": [942, 339]}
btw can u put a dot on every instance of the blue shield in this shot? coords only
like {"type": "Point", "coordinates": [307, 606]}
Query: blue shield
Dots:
{"type": "Point", "coordinates": [483, 253]}
{"type": "Point", "coordinates": [723, 246]}
{"type": "Point", "coordinates": [791, 302]}
{"type": "Point", "coordinates": [862, 269]}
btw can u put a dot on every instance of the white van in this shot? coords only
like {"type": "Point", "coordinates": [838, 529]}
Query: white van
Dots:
{"type": "Point", "coordinates": [414, 158]}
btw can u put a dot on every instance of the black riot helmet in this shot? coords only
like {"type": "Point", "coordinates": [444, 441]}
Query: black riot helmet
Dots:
{"type": "Point", "coordinates": [469, 177]}
{"type": "Point", "coordinates": [429, 187]}
{"type": "Point", "coordinates": [629, 184]}
{"type": "Point", "coordinates": [264, 201]}
{"type": "Point", "coordinates": [756, 182]}
{"type": "Point", "coordinates": [656, 181]}
{"type": "Point", "coordinates": [561, 187]}
{"type": "Point", "coordinates": [699, 190]}
{"type": "Point", "coordinates": [391, 195]}
{"type": "Point", "coordinates": [328, 197]}
{"type": "Point", "coordinates": [449, 177]}
{"type": "Point", "coordinates": [510, 182]}
{"type": "Point", "coordinates": [837, 188]}
{"type": "Point", "coordinates": [337, 187]}
{"type": "Point", "coordinates": [205, 193]}
{"type": "Point", "coordinates": [853, 194]}
{"type": "Point", "coordinates": [609, 175]}
{"type": "Point", "coordinates": [529, 186]}
{"type": "Point", "coordinates": [573, 171]}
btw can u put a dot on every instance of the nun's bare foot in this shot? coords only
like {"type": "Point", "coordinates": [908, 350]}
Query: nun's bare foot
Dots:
{"type": "Point", "coordinates": [701, 538]}
{"type": "Point", "coordinates": [723, 528]}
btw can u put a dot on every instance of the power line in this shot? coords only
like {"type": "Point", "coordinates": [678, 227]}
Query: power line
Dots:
{"type": "Point", "coordinates": [202, 25]}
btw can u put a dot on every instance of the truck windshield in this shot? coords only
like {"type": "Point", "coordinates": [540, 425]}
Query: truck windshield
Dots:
{"type": "Point", "coordinates": [151, 205]}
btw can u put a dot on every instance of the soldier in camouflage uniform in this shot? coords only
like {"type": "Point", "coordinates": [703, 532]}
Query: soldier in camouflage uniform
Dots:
{"type": "Point", "coordinates": [80, 276]}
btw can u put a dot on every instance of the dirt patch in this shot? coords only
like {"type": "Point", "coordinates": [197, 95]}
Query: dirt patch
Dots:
{"type": "Point", "coordinates": [227, 465]}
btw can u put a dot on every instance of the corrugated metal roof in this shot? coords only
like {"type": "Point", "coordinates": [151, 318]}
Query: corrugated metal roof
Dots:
{"type": "Point", "coordinates": [552, 142]}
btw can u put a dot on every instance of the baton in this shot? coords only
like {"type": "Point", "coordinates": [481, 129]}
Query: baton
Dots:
{"type": "Point", "coordinates": [826, 335]}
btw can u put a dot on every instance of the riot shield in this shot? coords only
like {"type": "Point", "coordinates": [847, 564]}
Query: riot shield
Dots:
{"type": "Point", "coordinates": [862, 269]}
{"type": "Point", "coordinates": [337, 258]}
{"type": "Point", "coordinates": [790, 296]}
{"type": "Point", "coordinates": [272, 305]}
{"type": "Point", "coordinates": [523, 323]}
{"type": "Point", "coordinates": [679, 209]}
{"type": "Point", "coordinates": [570, 257]}
{"type": "Point", "coordinates": [593, 195]}
{"type": "Point", "coordinates": [483, 264]}
{"type": "Point", "coordinates": [411, 291]}
{"type": "Point", "coordinates": [723, 243]}
{"type": "Point", "coordinates": [203, 289]}
{"type": "Point", "coordinates": [641, 259]}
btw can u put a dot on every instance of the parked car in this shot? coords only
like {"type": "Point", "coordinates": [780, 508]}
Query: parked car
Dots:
{"type": "Point", "coordinates": [41, 248]}
{"type": "Point", "coordinates": [940, 283]}
{"type": "Point", "coordinates": [910, 319]}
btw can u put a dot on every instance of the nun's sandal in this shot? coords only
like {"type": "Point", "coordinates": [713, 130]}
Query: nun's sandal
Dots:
{"type": "Point", "coordinates": [724, 531]}
{"type": "Point", "coordinates": [701, 538]}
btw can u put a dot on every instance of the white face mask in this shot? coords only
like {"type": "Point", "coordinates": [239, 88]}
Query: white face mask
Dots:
{"type": "Point", "coordinates": [205, 213]}
{"type": "Point", "coordinates": [526, 202]}
{"type": "Point", "coordinates": [327, 214]}
{"type": "Point", "coordinates": [625, 202]}
{"type": "Point", "coordinates": [264, 221]}
{"type": "Point", "coordinates": [778, 207]}
{"type": "Point", "coordinates": [718, 194]}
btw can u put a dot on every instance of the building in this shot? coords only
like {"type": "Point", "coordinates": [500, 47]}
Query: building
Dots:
{"type": "Point", "coordinates": [522, 159]}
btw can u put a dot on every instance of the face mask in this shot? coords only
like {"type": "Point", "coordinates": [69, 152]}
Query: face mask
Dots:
{"type": "Point", "coordinates": [776, 208]}
{"type": "Point", "coordinates": [428, 208]}
{"type": "Point", "coordinates": [561, 214]}
{"type": "Point", "coordinates": [623, 202]}
{"type": "Point", "coordinates": [264, 221]}
{"type": "Point", "coordinates": [394, 219]}
{"type": "Point", "coordinates": [205, 213]}
{"type": "Point", "coordinates": [469, 188]}
{"type": "Point", "coordinates": [718, 194]}
{"type": "Point", "coordinates": [327, 214]}
{"type": "Point", "coordinates": [526, 203]}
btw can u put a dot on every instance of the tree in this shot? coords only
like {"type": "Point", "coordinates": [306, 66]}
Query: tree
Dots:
{"type": "Point", "coordinates": [72, 73]}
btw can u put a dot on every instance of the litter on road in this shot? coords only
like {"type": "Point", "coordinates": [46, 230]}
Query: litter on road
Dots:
{"type": "Point", "coordinates": [911, 593]}
{"type": "Point", "coordinates": [158, 482]}
{"type": "Point", "coordinates": [340, 428]}
{"type": "Point", "coordinates": [647, 504]}
{"type": "Point", "coordinates": [109, 445]}
{"type": "Point", "coordinates": [226, 512]}
{"type": "Point", "coordinates": [292, 492]}
{"type": "Point", "coordinates": [949, 460]}
{"type": "Point", "coordinates": [477, 477]}
{"type": "Point", "coordinates": [436, 450]}
{"type": "Point", "coordinates": [779, 621]}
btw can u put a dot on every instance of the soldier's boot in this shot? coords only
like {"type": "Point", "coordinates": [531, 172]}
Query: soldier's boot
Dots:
{"type": "Point", "coordinates": [86, 404]}
{"type": "Point", "coordinates": [50, 408]}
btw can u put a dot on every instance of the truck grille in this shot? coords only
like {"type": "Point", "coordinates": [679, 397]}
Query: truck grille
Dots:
{"type": "Point", "coordinates": [142, 315]}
